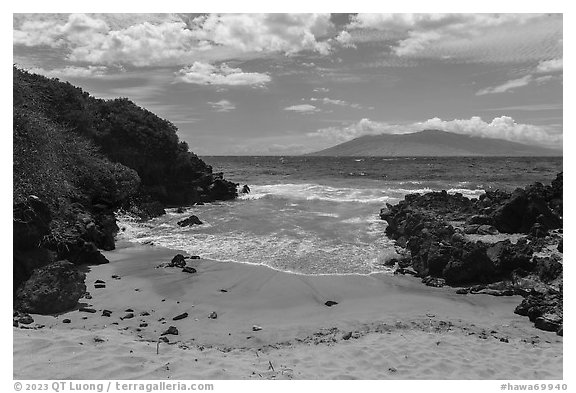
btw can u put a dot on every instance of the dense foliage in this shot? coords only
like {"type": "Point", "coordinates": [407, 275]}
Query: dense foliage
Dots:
{"type": "Point", "coordinates": [123, 132]}
{"type": "Point", "coordinates": [77, 159]}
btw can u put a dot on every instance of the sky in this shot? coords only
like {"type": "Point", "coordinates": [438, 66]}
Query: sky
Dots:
{"type": "Point", "coordinates": [281, 84]}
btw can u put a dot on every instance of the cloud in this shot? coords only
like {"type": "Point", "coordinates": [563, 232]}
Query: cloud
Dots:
{"type": "Point", "coordinates": [173, 39]}
{"type": "Point", "coordinates": [73, 72]}
{"type": "Point", "coordinates": [463, 37]}
{"type": "Point", "coordinates": [345, 39]}
{"type": "Point", "coordinates": [503, 127]}
{"type": "Point", "coordinates": [507, 86]}
{"type": "Point", "coordinates": [553, 66]}
{"type": "Point", "coordinates": [288, 33]}
{"type": "Point", "coordinates": [304, 108]}
{"type": "Point", "coordinates": [550, 66]}
{"type": "Point", "coordinates": [222, 106]}
{"type": "Point", "coordinates": [330, 101]}
{"type": "Point", "coordinates": [208, 74]}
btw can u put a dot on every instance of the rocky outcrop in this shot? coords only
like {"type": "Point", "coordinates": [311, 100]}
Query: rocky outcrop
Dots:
{"type": "Point", "coordinates": [51, 289]}
{"type": "Point", "coordinates": [435, 230]}
{"type": "Point", "coordinates": [192, 220]}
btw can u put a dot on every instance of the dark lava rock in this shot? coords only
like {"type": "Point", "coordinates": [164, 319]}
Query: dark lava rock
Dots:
{"type": "Point", "coordinates": [164, 339]}
{"type": "Point", "coordinates": [99, 282]}
{"type": "Point", "coordinates": [463, 291]}
{"type": "Point", "coordinates": [171, 330]}
{"type": "Point", "coordinates": [180, 210]}
{"type": "Point", "coordinates": [99, 286]}
{"type": "Point", "coordinates": [213, 315]}
{"type": "Point", "coordinates": [66, 320]}
{"type": "Point", "coordinates": [347, 336]}
{"type": "Point", "coordinates": [547, 268]}
{"type": "Point", "coordinates": [177, 261]}
{"type": "Point", "coordinates": [561, 245]}
{"type": "Point", "coordinates": [192, 220]}
{"type": "Point", "coordinates": [128, 310]}
{"type": "Point", "coordinates": [330, 303]}
{"type": "Point", "coordinates": [194, 257]}
{"type": "Point", "coordinates": [524, 208]}
{"type": "Point", "coordinates": [478, 219]}
{"type": "Point", "coordinates": [181, 316]}
{"type": "Point", "coordinates": [188, 269]}
{"type": "Point", "coordinates": [116, 277]}
{"type": "Point", "coordinates": [51, 289]}
{"type": "Point", "coordinates": [87, 309]}
{"type": "Point", "coordinates": [434, 281]}
{"type": "Point", "coordinates": [106, 313]}
{"type": "Point", "coordinates": [144, 313]}
{"type": "Point", "coordinates": [487, 230]}
{"type": "Point", "coordinates": [550, 323]}
{"type": "Point", "coordinates": [142, 325]}
{"type": "Point", "coordinates": [128, 316]}
{"type": "Point", "coordinates": [25, 319]}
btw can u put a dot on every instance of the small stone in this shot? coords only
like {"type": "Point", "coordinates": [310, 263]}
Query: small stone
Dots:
{"type": "Point", "coordinates": [194, 257]}
{"type": "Point", "coordinates": [462, 291]}
{"type": "Point", "coordinates": [116, 277]}
{"type": "Point", "coordinates": [223, 290]}
{"type": "Point", "coordinates": [86, 309]}
{"type": "Point", "coordinates": [98, 340]}
{"type": "Point", "coordinates": [504, 339]}
{"type": "Point", "coordinates": [98, 286]}
{"type": "Point", "coordinates": [143, 325]}
{"type": "Point", "coordinates": [106, 313]}
{"type": "Point", "coordinates": [330, 303]}
{"type": "Point", "coordinates": [128, 316]}
{"type": "Point", "coordinates": [88, 296]}
{"type": "Point", "coordinates": [144, 313]}
{"type": "Point", "coordinates": [15, 323]}
{"type": "Point", "coordinates": [25, 319]}
{"type": "Point", "coordinates": [171, 330]}
{"type": "Point", "coordinates": [181, 316]}
{"type": "Point", "coordinates": [213, 315]}
{"type": "Point", "coordinates": [256, 328]}
{"type": "Point", "coordinates": [99, 282]}
{"type": "Point", "coordinates": [84, 317]}
{"type": "Point", "coordinates": [392, 369]}
{"type": "Point", "coordinates": [129, 310]}
{"type": "Point", "coordinates": [347, 336]}
{"type": "Point", "coordinates": [188, 269]}
{"type": "Point", "coordinates": [165, 339]}
{"type": "Point", "coordinates": [66, 320]}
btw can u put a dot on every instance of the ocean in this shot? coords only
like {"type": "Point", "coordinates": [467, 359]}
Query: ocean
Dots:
{"type": "Point", "coordinates": [319, 215]}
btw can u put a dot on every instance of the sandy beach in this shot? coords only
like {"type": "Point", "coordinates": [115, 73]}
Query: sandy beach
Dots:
{"type": "Point", "coordinates": [383, 327]}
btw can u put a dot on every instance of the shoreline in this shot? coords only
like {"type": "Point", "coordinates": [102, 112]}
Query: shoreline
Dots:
{"type": "Point", "coordinates": [393, 320]}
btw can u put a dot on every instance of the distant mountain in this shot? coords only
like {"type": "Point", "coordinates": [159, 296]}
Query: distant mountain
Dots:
{"type": "Point", "coordinates": [432, 143]}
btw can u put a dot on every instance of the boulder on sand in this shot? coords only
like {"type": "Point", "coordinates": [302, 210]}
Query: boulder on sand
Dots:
{"type": "Point", "coordinates": [51, 289]}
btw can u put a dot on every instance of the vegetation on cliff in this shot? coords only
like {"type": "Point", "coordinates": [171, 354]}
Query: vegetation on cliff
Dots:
{"type": "Point", "coordinates": [77, 159]}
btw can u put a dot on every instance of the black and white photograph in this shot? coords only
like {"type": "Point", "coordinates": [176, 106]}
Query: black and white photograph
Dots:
{"type": "Point", "coordinates": [288, 196]}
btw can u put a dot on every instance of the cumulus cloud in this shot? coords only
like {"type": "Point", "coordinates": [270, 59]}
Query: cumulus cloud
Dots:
{"type": "Point", "coordinates": [503, 127]}
{"type": "Point", "coordinates": [507, 86]}
{"type": "Point", "coordinates": [288, 33]}
{"type": "Point", "coordinates": [208, 74]}
{"type": "Point", "coordinates": [344, 38]}
{"type": "Point", "coordinates": [303, 108]}
{"type": "Point", "coordinates": [172, 39]}
{"type": "Point", "coordinates": [330, 101]}
{"type": "Point", "coordinates": [550, 66]}
{"type": "Point", "coordinates": [222, 106]}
